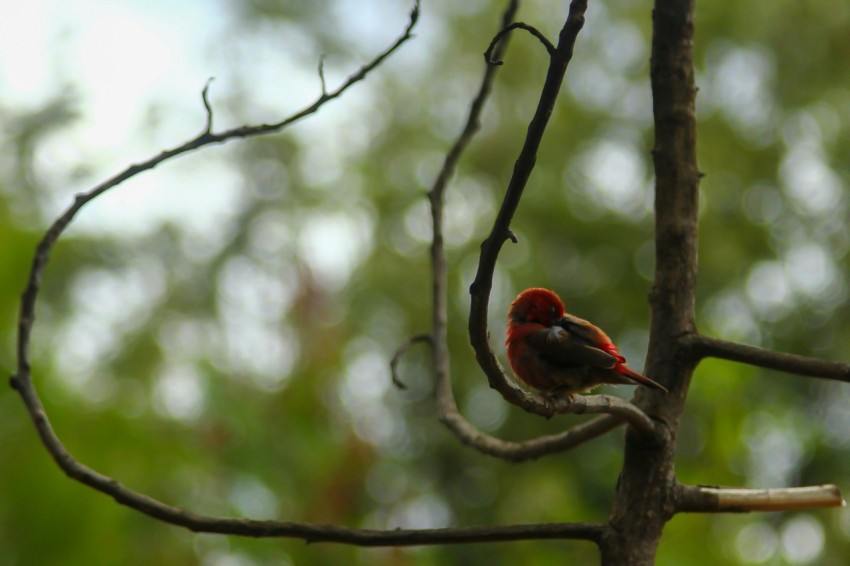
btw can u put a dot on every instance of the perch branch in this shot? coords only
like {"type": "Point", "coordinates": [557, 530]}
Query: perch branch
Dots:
{"type": "Point", "coordinates": [710, 499]}
{"type": "Point", "coordinates": [703, 346]}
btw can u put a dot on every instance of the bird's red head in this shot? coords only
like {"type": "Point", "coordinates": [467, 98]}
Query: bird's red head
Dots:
{"type": "Point", "coordinates": [536, 305]}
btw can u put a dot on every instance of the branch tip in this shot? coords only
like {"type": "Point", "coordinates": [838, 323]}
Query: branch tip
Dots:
{"type": "Point", "coordinates": [414, 13]}
{"type": "Point", "coordinates": [322, 75]}
{"type": "Point", "coordinates": [205, 98]}
{"type": "Point", "coordinates": [415, 339]}
{"type": "Point", "coordinates": [712, 499]}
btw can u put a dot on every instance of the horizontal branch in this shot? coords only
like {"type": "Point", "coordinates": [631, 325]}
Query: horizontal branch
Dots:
{"type": "Point", "coordinates": [710, 499]}
{"type": "Point", "coordinates": [308, 532]}
{"type": "Point", "coordinates": [704, 346]}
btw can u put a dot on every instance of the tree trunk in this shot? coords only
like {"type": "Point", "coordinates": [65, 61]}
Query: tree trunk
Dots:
{"type": "Point", "coordinates": [647, 488]}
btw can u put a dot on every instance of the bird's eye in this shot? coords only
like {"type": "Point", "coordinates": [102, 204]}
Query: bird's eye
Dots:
{"type": "Point", "coordinates": [552, 310]}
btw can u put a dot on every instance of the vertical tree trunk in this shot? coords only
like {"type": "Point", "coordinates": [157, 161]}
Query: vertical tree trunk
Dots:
{"type": "Point", "coordinates": [647, 488]}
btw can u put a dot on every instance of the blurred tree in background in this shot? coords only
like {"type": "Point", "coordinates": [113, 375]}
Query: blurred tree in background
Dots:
{"type": "Point", "coordinates": [238, 363]}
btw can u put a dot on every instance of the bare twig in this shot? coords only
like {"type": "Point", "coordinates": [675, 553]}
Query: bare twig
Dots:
{"type": "Point", "coordinates": [488, 54]}
{"type": "Point", "coordinates": [704, 346]}
{"type": "Point", "coordinates": [711, 499]}
{"type": "Point", "coordinates": [322, 75]}
{"type": "Point", "coordinates": [207, 107]}
{"type": "Point", "coordinates": [400, 352]}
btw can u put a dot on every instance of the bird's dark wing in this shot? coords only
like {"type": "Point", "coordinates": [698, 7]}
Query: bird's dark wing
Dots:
{"type": "Point", "coordinates": [582, 330]}
{"type": "Point", "coordinates": [563, 348]}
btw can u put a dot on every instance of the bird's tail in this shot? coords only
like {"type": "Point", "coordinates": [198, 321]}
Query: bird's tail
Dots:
{"type": "Point", "coordinates": [642, 379]}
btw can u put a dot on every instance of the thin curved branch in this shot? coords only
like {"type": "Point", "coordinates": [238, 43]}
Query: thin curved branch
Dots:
{"type": "Point", "coordinates": [529, 449]}
{"type": "Point", "coordinates": [415, 339]}
{"type": "Point", "coordinates": [497, 39]}
{"type": "Point", "coordinates": [27, 313]}
{"type": "Point", "coordinates": [711, 499]}
{"type": "Point", "coordinates": [704, 347]}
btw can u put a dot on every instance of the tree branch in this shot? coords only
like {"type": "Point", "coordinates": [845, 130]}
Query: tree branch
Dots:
{"type": "Point", "coordinates": [704, 347]}
{"type": "Point", "coordinates": [27, 313]}
{"type": "Point", "coordinates": [711, 499]}
{"type": "Point", "coordinates": [415, 339]}
{"type": "Point", "coordinates": [497, 60]}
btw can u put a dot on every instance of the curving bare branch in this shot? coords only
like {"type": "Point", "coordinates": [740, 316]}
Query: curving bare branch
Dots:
{"type": "Point", "coordinates": [712, 499]}
{"type": "Point", "coordinates": [529, 449]}
{"type": "Point", "coordinates": [415, 339]}
{"type": "Point", "coordinates": [706, 347]}
{"type": "Point", "coordinates": [497, 39]}
{"type": "Point", "coordinates": [27, 313]}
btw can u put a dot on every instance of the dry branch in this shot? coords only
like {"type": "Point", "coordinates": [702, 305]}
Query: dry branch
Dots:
{"type": "Point", "coordinates": [496, 59]}
{"type": "Point", "coordinates": [711, 499]}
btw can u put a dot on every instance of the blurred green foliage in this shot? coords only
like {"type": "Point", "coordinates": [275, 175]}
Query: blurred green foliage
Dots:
{"type": "Point", "coordinates": [243, 369]}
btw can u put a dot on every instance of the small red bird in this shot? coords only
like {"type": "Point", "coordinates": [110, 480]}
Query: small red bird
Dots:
{"type": "Point", "coordinates": [556, 352]}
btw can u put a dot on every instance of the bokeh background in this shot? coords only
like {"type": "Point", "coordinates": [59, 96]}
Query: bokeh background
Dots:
{"type": "Point", "coordinates": [217, 332]}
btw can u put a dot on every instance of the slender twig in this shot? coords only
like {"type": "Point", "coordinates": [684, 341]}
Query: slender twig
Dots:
{"type": "Point", "coordinates": [400, 352]}
{"type": "Point", "coordinates": [711, 499]}
{"type": "Point", "coordinates": [497, 60]}
{"type": "Point", "coordinates": [704, 346]}
{"type": "Point", "coordinates": [322, 75]}
{"type": "Point", "coordinates": [204, 93]}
